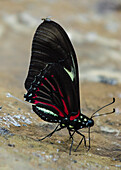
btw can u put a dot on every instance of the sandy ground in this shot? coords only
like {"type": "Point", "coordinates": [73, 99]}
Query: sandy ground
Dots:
{"type": "Point", "coordinates": [95, 32]}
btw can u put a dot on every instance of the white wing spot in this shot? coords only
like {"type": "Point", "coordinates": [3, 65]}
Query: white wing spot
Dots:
{"type": "Point", "coordinates": [70, 73]}
{"type": "Point", "coordinates": [46, 111]}
{"type": "Point", "coordinates": [30, 95]}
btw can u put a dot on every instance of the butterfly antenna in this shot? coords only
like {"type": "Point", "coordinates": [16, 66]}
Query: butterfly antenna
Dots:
{"type": "Point", "coordinates": [105, 113]}
{"type": "Point", "coordinates": [93, 115]}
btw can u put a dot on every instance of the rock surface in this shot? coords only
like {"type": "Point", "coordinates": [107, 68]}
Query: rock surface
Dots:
{"type": "Point", "coordinates": [95, 31]}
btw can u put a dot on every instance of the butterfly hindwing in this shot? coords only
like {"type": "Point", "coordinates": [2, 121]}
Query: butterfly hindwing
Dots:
{"type": "Point", "coordinates": [50, 94]}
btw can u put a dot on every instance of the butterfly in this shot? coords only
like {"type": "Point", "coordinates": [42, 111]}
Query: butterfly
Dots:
{"type": "Point", "coordinates": [52, 82]}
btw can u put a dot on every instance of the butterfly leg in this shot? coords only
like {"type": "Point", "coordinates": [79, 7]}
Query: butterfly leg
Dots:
{"type": "Point", "coordinates": [83, 137]}
{"type": "Point", "coordinates": [89, 138]}
{"type": "Point", "coordinates": [50, 134]}
{"type": "Point", "coordinates": [72, 134]}
{"type": "Point", "coordinates": [71, 137]}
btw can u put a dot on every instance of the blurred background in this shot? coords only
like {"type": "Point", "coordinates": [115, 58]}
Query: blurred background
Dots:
{"type": "Point", "coordinates": [94, 28]}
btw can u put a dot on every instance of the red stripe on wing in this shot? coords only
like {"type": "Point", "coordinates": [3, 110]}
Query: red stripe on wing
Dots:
{"type": "Point", "coordinates": [53, 106]}
{"type": "Point", "coordinates": [60, 91]}
{"type": "Point", "coordinates": [50, 84]}
{"type": "Point", "coordinates": [74, 117]}
{"type": "Point", "coordinates": [65, 107]}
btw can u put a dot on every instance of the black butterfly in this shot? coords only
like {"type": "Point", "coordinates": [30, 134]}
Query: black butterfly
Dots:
{"type": "Point", "coordinates": [53, 81]}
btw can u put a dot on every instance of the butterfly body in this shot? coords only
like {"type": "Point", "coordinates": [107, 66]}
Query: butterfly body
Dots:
{"type": "Point", "coordinates": [52, 83]}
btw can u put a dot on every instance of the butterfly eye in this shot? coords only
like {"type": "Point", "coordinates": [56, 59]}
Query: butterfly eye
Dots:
{"type": "Point", "coordinates": [90, 122]}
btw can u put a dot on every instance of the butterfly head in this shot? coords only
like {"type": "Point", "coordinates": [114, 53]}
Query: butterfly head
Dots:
{"type": "Point", "coordinates": [90, 122]}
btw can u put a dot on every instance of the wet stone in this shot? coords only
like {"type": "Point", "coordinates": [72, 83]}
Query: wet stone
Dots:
{"type": "Point", "coordinates": [105, 80]}
{"type": "Point", "coordinates": [4, 132]}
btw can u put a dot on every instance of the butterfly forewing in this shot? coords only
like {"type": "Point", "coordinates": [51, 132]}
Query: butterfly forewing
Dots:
{"type": "Point", "coordinates": [51, 45]}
